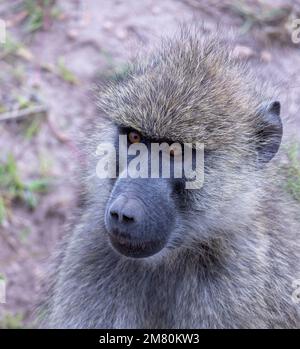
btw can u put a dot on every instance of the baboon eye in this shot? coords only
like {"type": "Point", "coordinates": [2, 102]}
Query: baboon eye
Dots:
{"type": "Point", "coordinates": [134, 137]}
{"type": "Point", "coordinates": [175, 149]}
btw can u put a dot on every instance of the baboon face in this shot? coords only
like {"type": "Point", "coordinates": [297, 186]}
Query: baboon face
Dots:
{"type": "Point", "coordinates": [145, 215]}
{"type": "Point", "coordinates": [141, 213]}
{"type": "Point", "coordinates": [189, 94]}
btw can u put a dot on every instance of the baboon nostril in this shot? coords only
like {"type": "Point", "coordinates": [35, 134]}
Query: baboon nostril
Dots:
{"type": "Point", "coordinates": [127, 219]}
{"type": "Point", "coordinates": [123, 212]}
{"type": "Point", "coordinates": [114, 215]}
{"type": "Point", "coordinates": [121, 217]}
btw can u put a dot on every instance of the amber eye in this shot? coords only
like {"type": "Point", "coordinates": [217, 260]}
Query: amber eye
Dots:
{"type": "Point", "coordinates": [175, 149]}
{"type": "Point", "coordinates": [134, 137]}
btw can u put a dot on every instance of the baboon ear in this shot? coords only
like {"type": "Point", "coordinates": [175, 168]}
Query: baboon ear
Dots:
{"type": "Point", "coordinates": [269, 133]}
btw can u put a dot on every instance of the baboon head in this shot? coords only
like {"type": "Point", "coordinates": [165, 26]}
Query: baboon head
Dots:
{"type": "Point", "coordinates": [189, 92]}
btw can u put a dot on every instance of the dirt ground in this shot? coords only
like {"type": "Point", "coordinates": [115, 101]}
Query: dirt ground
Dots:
{"type": "Point", "coordinates": [52, 58]}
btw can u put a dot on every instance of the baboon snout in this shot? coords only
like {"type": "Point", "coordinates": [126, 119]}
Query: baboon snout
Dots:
{"type": "Point", "coordinates": [137, 224]}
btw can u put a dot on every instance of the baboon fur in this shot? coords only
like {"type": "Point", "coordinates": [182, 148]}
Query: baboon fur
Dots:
{"type": "Point", "coordinates": [238, 256]}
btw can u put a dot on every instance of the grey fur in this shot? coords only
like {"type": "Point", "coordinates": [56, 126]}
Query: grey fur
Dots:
{"type": "Point", "coordinates": [240, 234]}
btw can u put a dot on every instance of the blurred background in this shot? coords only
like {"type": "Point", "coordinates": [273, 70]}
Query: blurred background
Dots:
{"type": "Point", "coordinates": [51, 54]}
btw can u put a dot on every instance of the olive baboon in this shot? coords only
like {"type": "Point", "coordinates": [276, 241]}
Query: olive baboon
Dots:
{"type": "Point", "coordinates": [147, 253]}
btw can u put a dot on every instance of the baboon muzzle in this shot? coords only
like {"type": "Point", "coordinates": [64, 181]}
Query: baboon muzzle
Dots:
{"type": "Point", "coordinates": [139, 216]}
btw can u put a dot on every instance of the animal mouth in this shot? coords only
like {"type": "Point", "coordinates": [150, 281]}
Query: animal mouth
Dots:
{"type": "Point", "coordinates": [135, 248]}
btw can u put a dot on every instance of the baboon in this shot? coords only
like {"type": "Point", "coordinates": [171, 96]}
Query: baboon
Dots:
{"type": "Point", "coordinates": [148, 253]}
